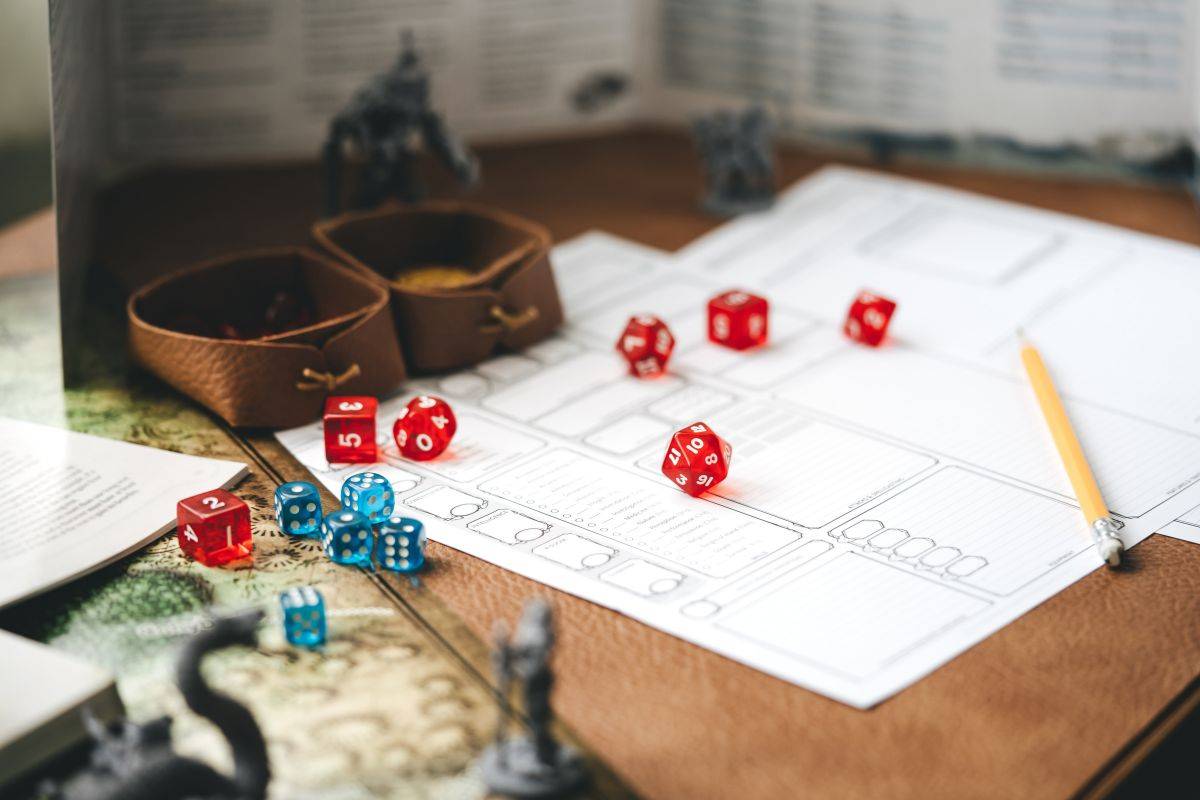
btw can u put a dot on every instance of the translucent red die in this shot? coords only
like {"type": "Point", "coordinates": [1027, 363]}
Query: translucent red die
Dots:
{"type": "Point", "coordinates": [868, 318]}
{"type": "Point", "coordinates": [646, 343]}
{"type": "Point", "coordinates": [737, 319]}
{"type": "Point", "coordinates": [697, 459]}
{"type": "Point", "coordinates": [424, 428]}
{"type": "Point", "coordinates": [350, 430]}
{"type": "Point", "coordinates": [214, 528]}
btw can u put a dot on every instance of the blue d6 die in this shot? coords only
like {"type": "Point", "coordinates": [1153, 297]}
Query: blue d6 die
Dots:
{"type": "Point", "coordinates": [298, 508]}
{"type": "Point", "coordinates": [400, 544]}
{"type": "Point", "coordinates": [303, 616]}
{"type": "Point", "coordinates": [347, 537]}
{"type": "Point", "coordinates": [370, 494]}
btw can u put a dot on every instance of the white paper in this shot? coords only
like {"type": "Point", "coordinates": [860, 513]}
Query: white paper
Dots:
{"type": "Point", "coordinates": [885, 510]}
{"type": "Point", "coordinates": [1187, 527]}
{"type": "Point", "coordinates": [76, 502]}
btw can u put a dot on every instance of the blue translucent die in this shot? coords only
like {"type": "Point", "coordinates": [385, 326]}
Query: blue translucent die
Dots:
{"type": "Point", "coordinates": [370, 494]}
{"type": "Point", "coordinates": [298, 508]}
{"type": "Point", "coordinates": [347, 537]}
{"type": "Point", "coordinates": [400, 544]}
{"type": "Point", "coordinates": [303, 616]}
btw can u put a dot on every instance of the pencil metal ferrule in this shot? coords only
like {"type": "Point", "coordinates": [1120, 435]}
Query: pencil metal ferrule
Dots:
{"type": "Point", "coordinates": [1108, 542]}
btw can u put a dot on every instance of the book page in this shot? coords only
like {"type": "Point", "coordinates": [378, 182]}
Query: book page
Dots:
{"type": "Point", "coordinates": [885, 509]}
{"type": "Point", "coordinates": [79, 502]}
{"type": "Point", "coordinates": [1113, 76]}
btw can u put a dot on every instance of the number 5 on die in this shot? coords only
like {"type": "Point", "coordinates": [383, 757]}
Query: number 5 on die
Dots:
{"type": "Point", "coordinates": [350, 430]}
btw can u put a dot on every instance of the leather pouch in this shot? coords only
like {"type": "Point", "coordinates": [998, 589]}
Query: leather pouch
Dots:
{"type": "Point", "coordinates": [504, 298]}
{"type": "Point", "coordinates": [347, 346]}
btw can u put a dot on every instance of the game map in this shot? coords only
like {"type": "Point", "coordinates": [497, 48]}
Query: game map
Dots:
{"type": "Point", "coordinates": [398, 705]}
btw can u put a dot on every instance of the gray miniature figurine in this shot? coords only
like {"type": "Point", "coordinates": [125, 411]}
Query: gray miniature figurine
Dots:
{"type": "Point", "coordinates": [385, 120]}
{"type": "Point", "coordinates": [738, 163]}
{"type": "Point", "coordinates": [533, 765]}
{"type": "Point", "coordinates": [135, 761]}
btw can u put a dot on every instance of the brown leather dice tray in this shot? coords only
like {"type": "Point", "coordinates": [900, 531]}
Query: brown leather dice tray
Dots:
{"type": "Point", "coordinates": [279, 380]}
{"type": "Point", "coordinates": [510, 302]}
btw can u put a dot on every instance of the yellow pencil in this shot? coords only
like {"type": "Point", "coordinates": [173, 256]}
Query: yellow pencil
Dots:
{"type": "Point", "coordinates": [1104, 531]}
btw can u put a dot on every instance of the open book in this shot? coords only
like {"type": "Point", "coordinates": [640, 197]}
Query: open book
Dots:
{"type": "Point", "coordinates": [83, 502]}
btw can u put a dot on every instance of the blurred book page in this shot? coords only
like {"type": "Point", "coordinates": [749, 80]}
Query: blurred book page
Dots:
{"type": "Point", "coordinates": [83, 502]}
{"type": "Point", "coordinates": [195, 80]}
{"type": "Point", "coordinates": [885, 509]}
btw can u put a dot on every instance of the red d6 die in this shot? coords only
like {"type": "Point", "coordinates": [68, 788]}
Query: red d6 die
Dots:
{"type": "Point", "coordinates": [646, 344]}
{"type": "Point", "coordinates": [214, 528]}
{"type": "Point", "coordinates": [424, 428]}
{"type": "Point", "coordinates": [737, 319]}
{"type": "Point", "coordinates": [697, 459]}
{"type": "Point", "coordinates": [350, 430]}
{"type": "Point", "coordinates": [868, 319]}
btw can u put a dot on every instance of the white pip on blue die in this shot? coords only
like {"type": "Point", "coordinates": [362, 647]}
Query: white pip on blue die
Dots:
{"type": "Point", "coordinates": [298, 508]}
{"type": "Point", "coordinates": [400, 544]}
{"type": "Point", "coordinates": [347, 537]}
{"type": "Point", "coordinates": [370, 494]}
{"type": "Point", "coordinates": [303, 616]}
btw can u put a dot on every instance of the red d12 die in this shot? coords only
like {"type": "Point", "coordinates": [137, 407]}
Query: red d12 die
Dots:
{"type": "Point", "coordinates": [424, 428]}
{"type": "Point", "coordinates": [868, 318]}
{"type": "Point", "coordinates": [214, 528]}
{"type": "Point", "coordinates": [737, 319]}
{"type": "Point", "coordinates": [350, 430]}
{"type": "Point", "coordinates": [697, 459]}
{"type": "Point", "coordinates": [646, 344]}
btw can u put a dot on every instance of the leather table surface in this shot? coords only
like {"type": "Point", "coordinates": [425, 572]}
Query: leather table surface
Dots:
{"type": "Point", "coordinates": [1061, 702]}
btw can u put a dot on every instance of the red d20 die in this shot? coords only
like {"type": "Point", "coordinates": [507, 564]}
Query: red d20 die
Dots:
{"type": "Point", "coordinates": [424, 428]}
{"type": "Point", "coordinates": [697, 459]}
{"type": "Point", "coordinates": [868, 318]}
{"type": "Point", "coordinates": [350, 430]}
{"type": "Point", "coordinates": [646, 344]}
{"type": "Point", "coordinates": [737, 319]}
{"type": "Point", "coordinates": [214, 528]}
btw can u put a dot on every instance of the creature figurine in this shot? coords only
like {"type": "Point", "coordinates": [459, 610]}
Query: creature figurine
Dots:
{"type": "Point", "coordinates": [739, 167]}
{"type": "Point", "coordinates": [535, 765]}
{"type": "Point", "coordinates": [385, 120]}
{"type": "Point", "coordinates": [135, 761]}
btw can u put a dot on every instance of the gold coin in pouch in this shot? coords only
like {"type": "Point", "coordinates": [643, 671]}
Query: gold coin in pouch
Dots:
{"type": "Point", "coordinates": [432, 276]}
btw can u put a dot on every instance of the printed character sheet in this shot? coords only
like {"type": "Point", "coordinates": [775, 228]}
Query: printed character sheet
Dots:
{"type": "Point", "coordinates": [886, 508]}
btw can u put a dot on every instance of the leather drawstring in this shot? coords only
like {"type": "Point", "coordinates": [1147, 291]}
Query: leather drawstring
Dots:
{"type": "Point", "coordinates": [509, 322]}
{"type": "Point", "coordinates": [326, 381]}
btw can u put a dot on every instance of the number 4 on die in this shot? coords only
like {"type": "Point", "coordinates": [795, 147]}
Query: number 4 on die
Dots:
{"type": "Point", "coordinates": [350, 430]}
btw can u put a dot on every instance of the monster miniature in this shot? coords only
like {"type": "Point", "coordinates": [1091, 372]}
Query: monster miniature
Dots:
{"type": "Point", "coordinates": [385, 121]}
{"type": "Point", "coordinates": [534, 765]}
{"type": "Point", "coordinates": [738, 163]}
{"type": "Point", "coordinates": [135, 761]}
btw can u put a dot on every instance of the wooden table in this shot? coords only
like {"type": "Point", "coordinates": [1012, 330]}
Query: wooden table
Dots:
{"type": "Point", "coordinates": [1056, 704]}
